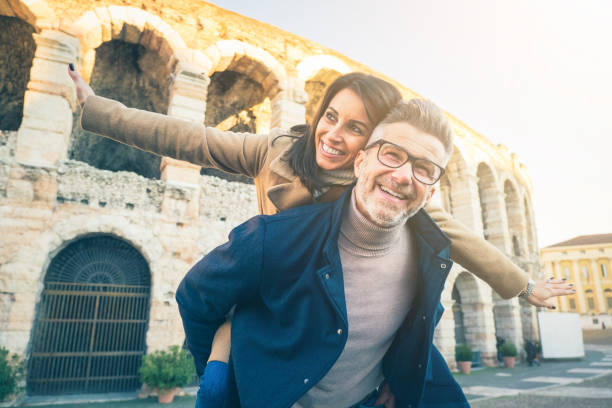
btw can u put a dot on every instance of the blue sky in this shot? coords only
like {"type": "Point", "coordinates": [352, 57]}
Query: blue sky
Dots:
{"type": "Point", "coordinates": [533, 75]}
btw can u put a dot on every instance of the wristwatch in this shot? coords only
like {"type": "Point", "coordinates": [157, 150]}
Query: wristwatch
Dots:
{"type": "Point", "coordinates": [525, 293]}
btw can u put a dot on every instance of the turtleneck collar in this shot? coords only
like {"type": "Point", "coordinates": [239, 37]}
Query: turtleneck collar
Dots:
{"type": "Point", "coordinates": [362, 237]}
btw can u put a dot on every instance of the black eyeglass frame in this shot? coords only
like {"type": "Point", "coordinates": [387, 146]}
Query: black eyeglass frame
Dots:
{"type": "Point", "coordinates": [410, 158]}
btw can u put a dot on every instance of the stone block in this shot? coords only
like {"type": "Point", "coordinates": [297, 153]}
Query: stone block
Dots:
{"type": "Point", "coordinates": [214, 55]}
{"type": "Point", "coordinates": [51, 77]}
{"type": "Point", "coordinates": [21, 190]}
{"type": "Point", "coordinates": [188, 97]}
{"type": "Point", "coordinates": [40, 148]}
{"type": "Point", "coordinates": [6, 10]}
{"type": "Point", "coordinates": [180, 171]}
{"type": "Point", "coordinates": [186, 113]}
{"type": "Point", "coordinates": [202, 61]}
{"type": "Point", "coordinates": [45, 189]}
{"type": "Point", "coordinates": [88, 29]}
{"type": "Point", "coordinates": [118, 16]}
{"type": "Point", "coordinates": [42, 111]}
{"type": "Point", "coordinates": [105, 23]}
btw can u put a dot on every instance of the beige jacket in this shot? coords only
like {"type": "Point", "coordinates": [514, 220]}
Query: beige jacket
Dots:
{"type": "Point", "coordinates": [278, 188]}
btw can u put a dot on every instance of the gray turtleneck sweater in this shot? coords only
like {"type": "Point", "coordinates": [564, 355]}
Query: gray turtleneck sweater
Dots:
{"type": "Point", "coordinates": [379, 268]}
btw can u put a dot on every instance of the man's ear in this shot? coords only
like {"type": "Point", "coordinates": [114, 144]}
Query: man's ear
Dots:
{"type": "Point", "coordinates": [358, 163]}
{"type": "Point", "coordinates": [432, 191]}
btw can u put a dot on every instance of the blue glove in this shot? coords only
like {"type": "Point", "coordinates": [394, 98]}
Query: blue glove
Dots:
{"type": "Point", "coordinates": [213, 386]}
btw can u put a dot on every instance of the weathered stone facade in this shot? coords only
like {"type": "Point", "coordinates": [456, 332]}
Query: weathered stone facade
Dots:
{"type": "Point", "coordinates": [202, 63]}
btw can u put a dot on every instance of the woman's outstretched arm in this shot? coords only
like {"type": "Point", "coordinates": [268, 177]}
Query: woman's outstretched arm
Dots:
{"type": "Point", "coordinates": [237, 153]}
{"type": "Point", "coordinates": [491, 265]}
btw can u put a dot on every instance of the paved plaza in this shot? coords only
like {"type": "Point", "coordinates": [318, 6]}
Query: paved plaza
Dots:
{"type": "Point", "coordinates": [580, 383]}
{"type": "Point", "coordinates": [556, 383]}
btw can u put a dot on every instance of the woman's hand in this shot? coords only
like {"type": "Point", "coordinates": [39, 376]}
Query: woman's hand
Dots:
{"type": "Point", "coordinates": [83, 90]}
{"type": "Point", "coordinates": [544, 289]}
{"type": "Point", "coordinates": [386, 397]}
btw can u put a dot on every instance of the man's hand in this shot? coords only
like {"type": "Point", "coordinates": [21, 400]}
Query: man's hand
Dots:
{"type": "Point", "coordinates": [544, 289]}
{"type": "Point", "coordinates": [83, 90]}
{"type": "Point", "coordinates": [386, 397]}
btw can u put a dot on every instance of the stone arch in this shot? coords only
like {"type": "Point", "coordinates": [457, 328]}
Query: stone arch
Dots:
{"type": "Point", "coordinates": [17, 47]}
{"type": "Point", "coordinates": [464, 296]}
{"type": "Point", "coordinates": [458, 190]}
{"type": "Point", "coordinates": [491, 206]}
{"type": "Point", "coordinates": [471, 303]}
{"type": "Point", "coordinates": [247, 91]}
{"type": "Point", "coordinates": [317, 72]}
{"type": "Point", "coordinates": [247, 59]}
{"type": "Point", "coordinates": [128, 24]}
{"type": "Point", "coordinates": [530, 229]}
{"type": "Point", "coordinates": [515, 217]}
{"type": "Point", "coordinates": [149, 50]}
{"type": "Point", "coordinates": [36, 13]}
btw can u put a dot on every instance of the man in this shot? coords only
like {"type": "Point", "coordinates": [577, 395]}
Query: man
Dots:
{"type": "Point", "coordinates": [333, 299]}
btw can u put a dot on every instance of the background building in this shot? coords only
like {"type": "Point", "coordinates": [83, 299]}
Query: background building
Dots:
{"type": "Point", "coordinates": [584, 260]}
{"type": "Point", "coordinates": [95, 236]}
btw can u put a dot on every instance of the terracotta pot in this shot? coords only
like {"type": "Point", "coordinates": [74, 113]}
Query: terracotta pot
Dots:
{"type": "Point", "coordinates": [509, 362]}
{"type": "Point", "coordinates": [166, 396]}
{"type": "Point", "coordinates": [465, 366]}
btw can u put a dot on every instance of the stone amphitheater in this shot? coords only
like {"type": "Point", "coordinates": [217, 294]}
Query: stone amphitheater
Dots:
{"type": "Point", "coordinates": [78, 211]}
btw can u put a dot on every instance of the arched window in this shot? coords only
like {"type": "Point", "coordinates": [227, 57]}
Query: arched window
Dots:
{"type": "Point", "coordinates": [91, 323]}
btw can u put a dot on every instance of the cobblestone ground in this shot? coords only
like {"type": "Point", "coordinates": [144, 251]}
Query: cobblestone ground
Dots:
{"type": "Point", "coordinates": [558, 384]}
{"type": "Point", "coordinates": [582, 395]}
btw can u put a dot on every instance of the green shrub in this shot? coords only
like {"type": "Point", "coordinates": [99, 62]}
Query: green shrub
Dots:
{"type": "Point", "coordinates": [508, 349]}
{"type": "Point", "coordinates": [11, 374]}
{"type": "Point", "coordinates": [463, 352]}
{"type": "Point", "coordinates": [167, 369]}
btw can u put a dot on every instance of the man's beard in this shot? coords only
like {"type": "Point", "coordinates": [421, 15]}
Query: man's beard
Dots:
{"type": "Point", "coordinates": [385, 215]}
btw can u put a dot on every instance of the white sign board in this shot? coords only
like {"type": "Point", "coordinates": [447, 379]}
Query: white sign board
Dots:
{"type": "Point", "coordinates": [560, 335]}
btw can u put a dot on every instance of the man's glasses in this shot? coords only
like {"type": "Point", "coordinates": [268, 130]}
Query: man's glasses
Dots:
{"type": "Point", "coordinates": [394, 156]}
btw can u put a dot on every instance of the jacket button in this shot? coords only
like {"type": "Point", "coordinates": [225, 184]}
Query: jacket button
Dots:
{"type": "Point", "coordinates": [420, 365]}
{"type": "Point", "coordinates": [443, 266]}
{"type": "Point", "coordinates": [327, 276]}
{"type": "Point", "coordinates": [339, 331]}
{"type": "Point", "coordinates": [306, 380]}
{"type": "Point", "coordinates": [424, 317]}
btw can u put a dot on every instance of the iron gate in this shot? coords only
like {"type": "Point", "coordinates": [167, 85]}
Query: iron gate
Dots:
{"type": "Point", "coordinates": [92, 320]}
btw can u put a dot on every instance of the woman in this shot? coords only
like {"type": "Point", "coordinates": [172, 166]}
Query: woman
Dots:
{"type": "Point", "coordinates": [307, 164]}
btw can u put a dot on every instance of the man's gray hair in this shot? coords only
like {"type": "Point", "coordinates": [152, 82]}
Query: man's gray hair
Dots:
{"type": "Point", "coordinates": [425, 116]}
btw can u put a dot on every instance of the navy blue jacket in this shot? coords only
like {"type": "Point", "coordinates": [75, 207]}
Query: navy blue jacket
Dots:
{"type": "Point", "coordinates": [284, 275]}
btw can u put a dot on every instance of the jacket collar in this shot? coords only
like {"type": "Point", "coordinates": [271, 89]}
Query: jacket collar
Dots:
{"type": "Point", "coordinates": [423, 225]}
{"type": "Point", "coordinates": [429, 231]}
{"type": "Point", "coordinates": [290, 194]}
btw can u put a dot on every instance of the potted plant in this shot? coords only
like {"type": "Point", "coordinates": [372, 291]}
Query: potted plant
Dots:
{"type": "Point", "coordinates": [464, 357]}
{"type": "Point", "coordinates": [11, 375]}
{"type": "Point", "coordinates": [166, 370]}
{"type": "Point", "coordinates": [508, 352]}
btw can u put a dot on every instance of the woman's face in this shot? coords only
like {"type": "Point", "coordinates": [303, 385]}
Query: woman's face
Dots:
{"type": "Point", "coordinates": [342, 131]}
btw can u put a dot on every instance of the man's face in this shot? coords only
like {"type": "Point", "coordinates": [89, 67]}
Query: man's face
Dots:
{"type": "Point", "coordinates": [388, 196]}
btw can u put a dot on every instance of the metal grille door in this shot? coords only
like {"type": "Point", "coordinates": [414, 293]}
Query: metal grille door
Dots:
{"type": "Point", "coordinates": [92, 320]}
